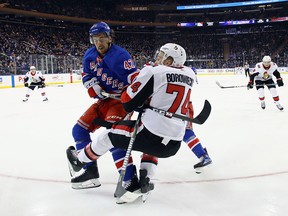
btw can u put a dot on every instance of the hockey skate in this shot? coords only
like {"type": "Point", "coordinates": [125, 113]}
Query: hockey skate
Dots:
{"type": "Point", "coordinates": [25, 100]}
{"type": "Point", "coordinates": [130, 190]}
{"type": "Point", "coordinates": [278, 105]}
{"type": "Point", "coordinates": [88, 179]}
{"type": "Point", "coordinates": [74, 164]}
{"type": "Point", "coordinates": [45, 99]}
{"type": "Point", "coordinates": [263, 104]}
{"type": "Point", "coordinates": [205, 161]}
{"type": "Point", "coordinates": [145, 184]}
{"type": "Point", "coordinates": [137, 189]}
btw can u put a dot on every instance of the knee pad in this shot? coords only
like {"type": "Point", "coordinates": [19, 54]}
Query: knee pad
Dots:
{"type": "Point", "coordinates": [81, 136]}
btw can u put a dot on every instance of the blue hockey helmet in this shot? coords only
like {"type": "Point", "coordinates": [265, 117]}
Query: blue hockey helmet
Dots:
{"type": "Point", "coordinates": [100, 27]}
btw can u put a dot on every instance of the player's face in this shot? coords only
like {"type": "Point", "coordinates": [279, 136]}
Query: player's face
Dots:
{"type": "Point", "coordinates": [266, 64]}
{"type": "Point", "coordinates": [159, 58]}
{"type": "Point", "coordinates": [160, 61]}
{"type": "Point", "coordinates": [102, 42]}
{"type": "Point", "coordinates": [33, 71]}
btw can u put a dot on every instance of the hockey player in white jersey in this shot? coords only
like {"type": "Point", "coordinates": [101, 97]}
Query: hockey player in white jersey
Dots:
{"type": "Point", "coordinates": [263, 75]}
{"type": "Point", "coordinates": [164, 87]}
{"type": "Point", "coordinates": [32, 80]}
{"type": "Point", "coordinates": [190, 138]}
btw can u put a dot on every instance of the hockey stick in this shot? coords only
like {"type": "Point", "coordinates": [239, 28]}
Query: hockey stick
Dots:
{"type": "Point", "coordinates": [55, 85]}
{"type": "Point", "coordinates": [50, 85]}
{"type": "Point", "coordinates": [200, 119]}
{"type": "Point", "coordinates": [120, 189]}
{"type": "Point", "coordinates": [240, 86]}
{"type": "Point", "coordinates": [221, 86]}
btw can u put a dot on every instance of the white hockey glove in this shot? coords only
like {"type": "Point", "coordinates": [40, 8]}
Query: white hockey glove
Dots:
{"type": "Point", "coordinates": [94, 89]}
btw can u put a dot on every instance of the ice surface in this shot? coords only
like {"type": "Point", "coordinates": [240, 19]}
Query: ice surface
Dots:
{"type": "Point", "coordinates": [248, 147]}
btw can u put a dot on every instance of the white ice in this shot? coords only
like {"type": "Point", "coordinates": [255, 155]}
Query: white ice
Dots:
{"type": "Point", "coordinates": [248, 146]}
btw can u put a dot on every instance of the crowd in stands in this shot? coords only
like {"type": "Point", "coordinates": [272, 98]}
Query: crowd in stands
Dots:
{"type": "Point", "coordinates": [109, 10]}
{"type": "Point", "coordinates": [20, 42]}
{"type": "Point", "coordinates": [207, 47]}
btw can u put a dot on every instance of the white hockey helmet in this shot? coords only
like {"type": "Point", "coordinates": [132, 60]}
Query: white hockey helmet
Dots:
{"type": "Point", "coordinates": [176, 52]}
{"type": "Point", "coordinates": [266, 61]}
{"type": "Point", "coordinates": [32, 68]}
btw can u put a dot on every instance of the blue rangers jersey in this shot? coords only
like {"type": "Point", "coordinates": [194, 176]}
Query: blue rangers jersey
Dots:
{"type": "Point", "coordinates": [114, 71]}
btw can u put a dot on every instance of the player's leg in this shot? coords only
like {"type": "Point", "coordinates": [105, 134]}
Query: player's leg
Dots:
{"type": "Point", "coordinates": [28, 93]}
{"type": "Point", "coordinates": [99, 147]}
{"type": "Point", "coordinates": [260, 91]}
{"type": "Point", "coordinates": [43, 93]}
{"type": "Point", "coordinates": [272, 88]}
{"type": "Point", "coordinates": [115, 112]}
{"type": "Point", "coordinates": [88, 155]}
{"type": "Point", "coordinates": [196, 147]}
{"type": "Point", "coordinates": [81, 134]}
{"type": "Point", "coordinates": [147, 171]}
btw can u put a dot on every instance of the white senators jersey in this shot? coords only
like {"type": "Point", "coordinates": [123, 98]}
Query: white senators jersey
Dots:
{"type": "Point", "coordinates": [34, 77]}
{"type": "Point", "coordinates": [165, 88]}
{"type": "Point", "coordinates": [264, 74]}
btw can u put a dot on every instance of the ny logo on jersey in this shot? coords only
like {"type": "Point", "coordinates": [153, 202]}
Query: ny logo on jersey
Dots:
{"type": "Point", "coordinates": [129, 64]}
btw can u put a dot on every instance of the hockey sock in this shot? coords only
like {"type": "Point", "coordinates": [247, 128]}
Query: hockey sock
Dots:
{"type": "Point", "coordinates": [118, 157]}
{"type": "Point", "coordinates": [149, 163]}
{"type": "Point", "coordinates": [193, 143]}
{"type": "Point", "coordinates": [82, 139]}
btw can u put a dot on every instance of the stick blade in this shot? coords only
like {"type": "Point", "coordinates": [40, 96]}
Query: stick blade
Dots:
{"type": "Point", "coordinates": [204, 114]}
{"type": "Point", "coordinates": [219, 84]}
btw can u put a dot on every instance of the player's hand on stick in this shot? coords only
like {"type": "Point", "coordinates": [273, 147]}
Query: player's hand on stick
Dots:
{"type": "Point", "coordinates": [94, 89]}
{"type": "Point", "coordinates": [280, 82]}
{"type": "Point", "coordinates": [26, 84]}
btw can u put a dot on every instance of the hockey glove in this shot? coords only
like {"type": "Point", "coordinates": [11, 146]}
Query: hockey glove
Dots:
{"type": "Point", "coordinates": [280, 82]}
{"type": "Point", "coordinates": [94, 89]}
{"type": "Point", "coordinates": [43, 85]}
{"type": "Point", "coordinates": [249, 85]}
{"type": "Point", "coordinates": [26, 84]}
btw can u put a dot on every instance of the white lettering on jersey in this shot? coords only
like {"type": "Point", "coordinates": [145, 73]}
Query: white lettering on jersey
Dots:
{"type": "Point", "coordinates": [171, 92]}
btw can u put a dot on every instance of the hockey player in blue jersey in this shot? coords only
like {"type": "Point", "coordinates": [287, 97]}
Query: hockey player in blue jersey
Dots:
{"type": "Point", "coordinates": [164, 136]}
{"type": "Point", "coordinates": [106, 67]}
{"type": "Point", "coordinates": [195, 71]}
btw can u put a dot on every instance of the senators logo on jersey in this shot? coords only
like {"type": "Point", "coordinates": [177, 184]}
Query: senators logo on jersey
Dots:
{"type": "Point", "coordinates": [266, 75]}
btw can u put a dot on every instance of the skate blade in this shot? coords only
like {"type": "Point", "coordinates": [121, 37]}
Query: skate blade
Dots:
{"type": "Point", "coordinates": [280, 108]}
{"type": "Point", "coordinates": [145, 196]}
{"type": "Point", "coordinates": [200, 170]}
{"type": "Point", "coordinates": [71, 170]}
{"type": "Point", "coordinates": [92, 183]}
{"type": "Point", "coordinates": [129, 197]}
